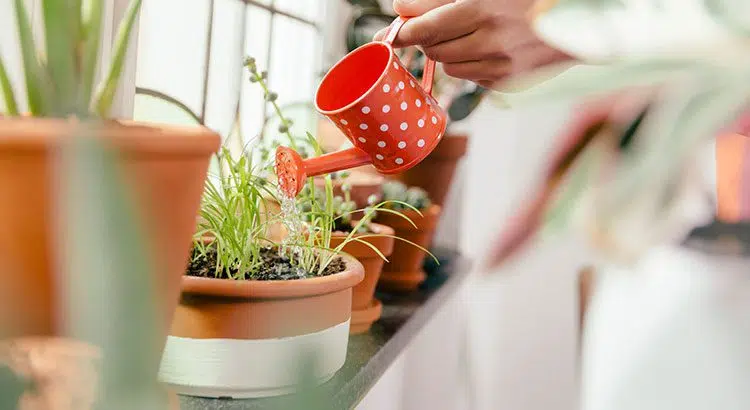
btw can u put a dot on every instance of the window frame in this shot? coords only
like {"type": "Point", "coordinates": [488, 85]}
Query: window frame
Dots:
{"type": "Point", "coordinates": [329, 31]}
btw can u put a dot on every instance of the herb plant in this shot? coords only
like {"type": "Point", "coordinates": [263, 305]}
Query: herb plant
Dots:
{"type": "Point", "coordinates": [233, 217]}
{"type": "Point", "coordinates": [60, 81]}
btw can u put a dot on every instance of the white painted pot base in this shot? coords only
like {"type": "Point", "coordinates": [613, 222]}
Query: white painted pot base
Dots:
{"type": "Point", "coordinates": [250, 368]}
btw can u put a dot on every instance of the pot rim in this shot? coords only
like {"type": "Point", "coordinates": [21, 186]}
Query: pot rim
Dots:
{"type": "Point", "coordinates": [277, 289]}
{"type": "Point", "coordinates": [34, 133]}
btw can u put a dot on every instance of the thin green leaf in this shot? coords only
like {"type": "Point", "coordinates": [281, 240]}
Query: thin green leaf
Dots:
{"type": "Point", "coordinates": [61, 38]}
{"type": "Point", "coordinates": [108, 89]}
{"type": "Point", "coordinates": [11, 106]}
{"type": "Point", "coordinates": [35, 75]}
{"type": "Point", "coordinates": [92, 27]}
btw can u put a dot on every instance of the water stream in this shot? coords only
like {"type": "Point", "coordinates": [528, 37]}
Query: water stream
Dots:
{"type": "Point", "coordinates": [292, 219]}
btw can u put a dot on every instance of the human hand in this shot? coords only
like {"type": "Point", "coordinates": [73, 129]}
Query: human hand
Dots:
{"type": "Point", "coordinates": [484, 41]}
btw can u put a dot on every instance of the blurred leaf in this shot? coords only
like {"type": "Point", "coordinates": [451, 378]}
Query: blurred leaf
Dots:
{"type": "Point", "coordinates": [92, 27]}
{"type": "Point", "coordinates": [106, 95]}
{"type": "Point", "coordinates": [565, 82]}
{"type": "Point", "coordinates": [9, 96]}
{"type": "Point", "coordinates": [12, 388]}
{"type": "Point", "coordinates": [110, 295]}
{"type": "Point", "coordinates": [36, 83]}
{"type": "Point", "coordinates": [61, 36]}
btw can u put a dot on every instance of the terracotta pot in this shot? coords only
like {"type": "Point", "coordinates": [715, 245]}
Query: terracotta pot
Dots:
{"type": "Point", "coordinates": [165, 169]}
{"type": "Point", "coordinates": [244, 339]}
{"type": "Point", "coordinates": [363, 185]}
{"type": "Point", "coordinates": [435, 173]}
{"type": "Point", "coordinates": [404, 272]}
{"type": "Point", "coordinates": [365, 308]}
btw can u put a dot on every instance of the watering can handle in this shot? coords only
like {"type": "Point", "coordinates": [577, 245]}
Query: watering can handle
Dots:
{"type": "Point", "coordinates": [429, 65]}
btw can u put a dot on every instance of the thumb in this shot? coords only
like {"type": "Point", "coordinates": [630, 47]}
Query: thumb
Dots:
{"type": "Point", "coordinates": [414, 8]}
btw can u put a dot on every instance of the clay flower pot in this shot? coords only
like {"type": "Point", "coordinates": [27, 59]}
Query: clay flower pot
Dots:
{"type": "Point", "coordinates": [365, 308]}
{"type": "Point", "coordinates": [363, 185]}
{"type": "Point", "coordinates": [245, 339]}
{"type": "Point", "coordinates": [404, 272]}
{"type": "Point", "coordinates": [435, 173]}
{"type": "Point", "coordinates": [165, 168]}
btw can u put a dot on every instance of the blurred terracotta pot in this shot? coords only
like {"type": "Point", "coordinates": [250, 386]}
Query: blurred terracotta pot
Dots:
{"type": "Point", "coordinates": [365, 308]}
{"type": "Point", "coordinates": [241, 339]}
{"type": "Point", "coordinates": [435, 173]}
{"type": "Point", "coordinates": [164, 168]}
{"type": "Point", "coordinates": [363, 185]}
{"type": "Point", "coordinates": [404, 272]}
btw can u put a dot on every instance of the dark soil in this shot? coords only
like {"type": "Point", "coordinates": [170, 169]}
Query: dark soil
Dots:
{"type": "Point", "coordinates": [275, 267]}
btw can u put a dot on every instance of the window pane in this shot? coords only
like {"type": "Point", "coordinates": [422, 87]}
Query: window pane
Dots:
{"type": "Point", "coordinates": [225, 66]}
{"type": "Point", "coordinates": [306, 9]}
{"type": "Point", "coordinates": [172, 49]}
{"type": "Point", "coordinates": [154, 109]}
{"type": "Point", "coordinates": [294, 60]}
{"type": "Point", "coordinates": [257, 36]}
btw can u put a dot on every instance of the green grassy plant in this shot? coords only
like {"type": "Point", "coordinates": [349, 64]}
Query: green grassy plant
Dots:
{"type": "Point", "coordinates": [60, 79]}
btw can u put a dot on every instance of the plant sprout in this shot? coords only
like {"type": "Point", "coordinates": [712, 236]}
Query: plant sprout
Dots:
{"type": "Point", "coordinates": [400, 197]}
{"type": "Point", "coordinates": [60, 81]}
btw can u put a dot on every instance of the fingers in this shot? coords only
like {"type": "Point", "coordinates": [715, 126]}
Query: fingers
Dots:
{"type": "Point", "coordinates": [472, 47]}
{"type": "Point", "coordinates": [412, 8]}
{"type": "Point", "coordinates": [444, 23]}
{"type": "Point", "coordinates": [490, 70]}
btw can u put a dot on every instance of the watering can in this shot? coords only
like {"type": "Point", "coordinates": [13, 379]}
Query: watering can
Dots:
{"type": "Point", "coordinates": [392, 121]}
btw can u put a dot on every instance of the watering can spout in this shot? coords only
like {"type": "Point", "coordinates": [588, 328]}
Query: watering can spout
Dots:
{"type": "Point", "coordinates": [292, 171]}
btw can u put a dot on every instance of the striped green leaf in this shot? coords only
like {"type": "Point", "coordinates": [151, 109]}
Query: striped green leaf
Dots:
{"type": "Point", "coordinates": [106, 94]}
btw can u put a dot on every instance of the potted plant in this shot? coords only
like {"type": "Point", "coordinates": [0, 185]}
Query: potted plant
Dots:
{"type": "Point", "coordinates": [163, 168]}
{"type": "Point", "coordinates": [249, 304]}
{"type": "Point", "coordinates": [404, 271]}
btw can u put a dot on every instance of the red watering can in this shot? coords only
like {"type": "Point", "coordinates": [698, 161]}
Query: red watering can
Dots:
{"type": "Point", "coordinates": [392, 121]}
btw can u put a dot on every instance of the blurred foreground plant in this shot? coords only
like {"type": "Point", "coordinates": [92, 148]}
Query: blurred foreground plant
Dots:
{"type": "Point", "coordinates": [626, 171]}
{"type": "Point", "coordinates": [60, 81]}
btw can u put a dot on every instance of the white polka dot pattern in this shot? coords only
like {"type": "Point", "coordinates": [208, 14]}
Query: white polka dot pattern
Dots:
{"type": "Point", "coordinates": [397, 123]}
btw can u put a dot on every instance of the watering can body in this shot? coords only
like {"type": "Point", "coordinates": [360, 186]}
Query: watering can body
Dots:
{"type": "Point", "coordinates": [391, 119]}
